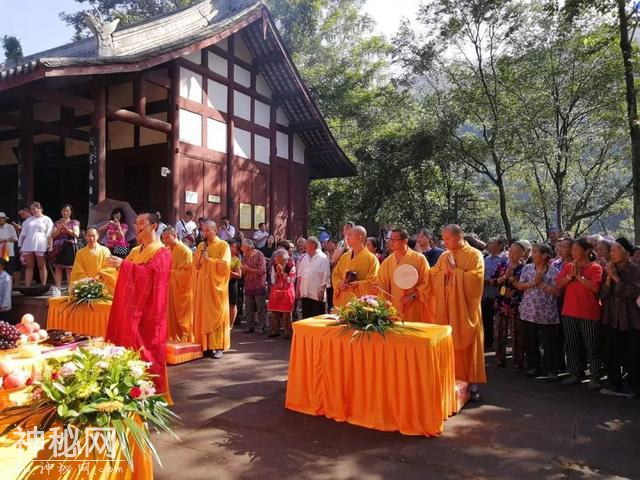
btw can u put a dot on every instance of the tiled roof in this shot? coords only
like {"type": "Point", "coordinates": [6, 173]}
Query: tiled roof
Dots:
{"type": "Point", "coordinates": [142, 40]}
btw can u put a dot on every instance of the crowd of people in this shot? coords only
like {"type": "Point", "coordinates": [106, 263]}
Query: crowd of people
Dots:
{"type": "Point", "coordinates": [564, 305]}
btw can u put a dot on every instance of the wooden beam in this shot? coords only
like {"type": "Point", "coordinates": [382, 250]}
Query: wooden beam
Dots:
{"type": "Point", "coordinates": [321, 150]}
{"type": "Point", "coordinates": [273, 132]}
{"type": "Point", "coordinates": [175, 185]}
{"type": "Point", "coordinates": [306, 125]}
{"type": "Point", "coordinates": [39, 127]}
{"type": "Point", "coordinates": [128, 116]}
{"type": "Point", "coordinates": [63, 99]}
{"type": "Point", "coordinates": [25, 162]}
{"type": "Point", "coordinates": [230, 135]}
{"type": "Point", "coordinates": [140, 96]}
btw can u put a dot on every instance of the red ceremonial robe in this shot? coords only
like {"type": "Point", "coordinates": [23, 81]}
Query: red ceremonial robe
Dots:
{"type": "Point", "coordinates": [138, 317]}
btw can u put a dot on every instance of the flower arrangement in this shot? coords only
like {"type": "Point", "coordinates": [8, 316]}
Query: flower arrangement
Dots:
{"type": "Point", "coordinates": [368, 314]}
{"type": "Point", "coordinates": [88, 291]}
{"type": "Point", "coordinates": [99, 388]}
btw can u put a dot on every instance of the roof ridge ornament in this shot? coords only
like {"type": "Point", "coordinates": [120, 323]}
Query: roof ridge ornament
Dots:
{"type": "Point", "coordinates": [103, 33]}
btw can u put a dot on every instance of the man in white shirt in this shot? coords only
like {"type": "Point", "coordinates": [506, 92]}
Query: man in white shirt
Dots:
{"type": "Point", "coordinates": [6, 285]}
{"type": "Point", "coordinates": [226, 231]}
{"type": "Point", "coordinates": [314, 276]}
{"type": "Point", "coordinates": [260, 236]}
{"type": "Point", "coordinates": [8, 237]}
{"type": "Point", "coordinates": [186, 226]}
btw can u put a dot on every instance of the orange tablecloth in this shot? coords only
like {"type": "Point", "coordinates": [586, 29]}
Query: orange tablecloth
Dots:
{"type": "Point", "coordinates": [406, 383]}
{"type": "Point", "coordinates": [36, 461]}
{"type": "Point", "coordinates": [90, 320]}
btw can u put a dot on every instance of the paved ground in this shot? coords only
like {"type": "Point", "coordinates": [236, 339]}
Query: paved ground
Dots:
{"type": "Point", "coordinates": [236, 426]}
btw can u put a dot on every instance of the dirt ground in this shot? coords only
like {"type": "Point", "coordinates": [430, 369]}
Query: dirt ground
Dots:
{"type": "Point", "coordinates": [235, 426]}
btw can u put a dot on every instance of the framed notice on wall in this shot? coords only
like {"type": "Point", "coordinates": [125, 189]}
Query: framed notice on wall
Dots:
{"type": "Point", "coordinates": [191, 197]}
{"type": "Point", "coordinates": [245, 216]}
{"type": "Point", "coordinates": [259, 215]}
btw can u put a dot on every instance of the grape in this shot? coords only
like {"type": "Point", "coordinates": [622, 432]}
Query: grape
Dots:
{"type": "Point", "coordinates": [9, 334]}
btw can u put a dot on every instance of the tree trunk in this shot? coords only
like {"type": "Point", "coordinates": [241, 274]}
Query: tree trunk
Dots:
{"type": "Point", "coordinates": [503, 208]}
{"type": "Point", "coordinates": [632, 112]}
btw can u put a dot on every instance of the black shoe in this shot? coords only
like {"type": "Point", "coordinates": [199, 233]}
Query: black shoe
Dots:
{"type": "Point", "coordinates": [532, 373]}
{"type": "Point", "coordinates": [287, 336]}
{"type": "Point", "coordinates": [474, 396]}
{"type": "Point", "coordinates": [249, 330]}
{"type": "Point", "coordinates": [274, 335]}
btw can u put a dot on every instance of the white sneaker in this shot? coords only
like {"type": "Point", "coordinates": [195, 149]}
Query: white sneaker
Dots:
{"type": "Point", "coordinates": [55, 291]}
{"type": "Point", "coordinates": [218, 354]}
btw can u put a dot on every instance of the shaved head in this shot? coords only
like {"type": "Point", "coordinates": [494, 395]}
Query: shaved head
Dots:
{"type": "Point", "coordinates": [454, 229]}
{"type": "Point", "coordinates": [453, 237]}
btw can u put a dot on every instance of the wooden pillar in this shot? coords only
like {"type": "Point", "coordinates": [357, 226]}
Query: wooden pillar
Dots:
{"type": "Point", "coordinates": [290, 190]}
{"type": "Point", "coordinates": [139, 104]}
{"type": "Point", "coordinates": [273, 130]}
{"type": "Point", "coordinates": [176, 190]}
{"type": "Point", "coordinates": [25, 163]}
{"type": "Point", "coordinates": [98, 148]}
{"type": "Point", "coordinates": [231, 204]}
{"type": "Point", "coordinates": [306, 196]}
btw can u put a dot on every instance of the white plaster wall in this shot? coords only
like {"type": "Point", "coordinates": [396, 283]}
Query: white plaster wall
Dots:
{"type": "Point", "coordinates": [120, 95]}
{"type": "Point", "coordinates": [195, 57]}
{"type": "Point", "coordinates": [7, 157]}
{"type": "Point", "coordinates": [216, 136]}
{"type": "Point", "coordinates": [242, 105]}
{"type": "Point", "coordinates": [263, 113]}
{"type": "Point", "coordinates": [241, 75]}
{"type": "Point", "coordinates": [281, 118]}
{"type": "Point", "coordinates": [282, 145]}
{"type": "Point", "coordinates": [223, 44]}
{"type": "Point", "coordinates": [119, 135]}
{"type": "Point", "coordinates": [298, 149]}
{"type": "Point", "coordinates": [217, 95]}
{"type": "Point", "coordinates": [190, 85]}
{"type": "Point", "coordinates": [218, 64]}
{"type": "Point", "coordinates": [76, 147]}
{"type": "Point", "coordinates": [261, 86]}
{"type": "Point", "coordinates": [241, 50]}
{"type": "Point", "coordinates": [47, 112]}
{"type": "Point", "coordinates": [262, 146]}
{"type": "Point", "coordinates": [190, 128]}
{"type": "Point", "coordinates": [242, 143]}
{"type": "Point", "coordinates": [151, 137]}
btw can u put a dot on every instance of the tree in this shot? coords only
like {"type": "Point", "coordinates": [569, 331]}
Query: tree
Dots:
{"type": "Point", "coordinates": [626, 15]}
{"type": "Point", "coordinates": [565, 82]}
{"type": "Point", "coordinates": [127, 11]}
{"type": "Point", "coordinates": [459, 58]}
{"type": "Point", "coordinates": [12, 48]}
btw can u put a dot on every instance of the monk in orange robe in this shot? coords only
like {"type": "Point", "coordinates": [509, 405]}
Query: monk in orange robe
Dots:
{"type": "Point", "coordinates": [212, 262]}
{"type": "Point", "coordinates": [457, 283]}
{"type": "Point", "coordinates": [138, 318]}
{"type": "Point", "coordinates": [180, 305]}
{"type": "Point", "coordinates": [414, 304]}
{"type": "Point", "coordinates": [90, 262]}
{"type": "Point", "coordinates": [357, 259]}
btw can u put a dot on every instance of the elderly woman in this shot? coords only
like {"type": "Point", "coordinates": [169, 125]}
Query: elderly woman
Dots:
{"type": "Point", "coordinates": [581, 281]}
{"type": "Point", "coordinates": [282, 297]}
{"type": "Point", "coordinates": [539, 313]}
{"type": "Point", "coordinates": [65, 231]}
{"type": "Point", "coordinates": [621, 318]}
{"type": "Point", "coordinates": [603, 252]}
{"type": "Point", "coordinates": [34, 243]}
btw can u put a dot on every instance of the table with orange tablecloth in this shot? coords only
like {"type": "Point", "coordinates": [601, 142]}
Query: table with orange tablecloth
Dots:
{"type": "Point", "coordinates": [405, 383]}
{"type": "Point", "coordinates": [86, 319]}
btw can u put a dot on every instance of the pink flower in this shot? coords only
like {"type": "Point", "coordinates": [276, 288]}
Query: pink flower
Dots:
{"type": "Point", "coordinates": [68, 369]}
{"type": "Point", "coordinates": [135, 392]}
{"type": "Point", "coordinates": [148, 389]}
{"type": "Point", "coordinates": [55, 376]}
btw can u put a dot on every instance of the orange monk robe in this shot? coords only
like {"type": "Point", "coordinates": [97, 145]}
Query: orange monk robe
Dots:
{"type": "Point", "coordinates": [458, 305]}
{"type": "Point", "coordinates": [211, 296]}
{"type": "Point", "coordinates": [92, 264]}
{"type": "Point", "coordinates": [365, 264]}
{"type": "Point", "coordinates": [419, 310]}
{"type": "Point", "coordinates": [180, 319]}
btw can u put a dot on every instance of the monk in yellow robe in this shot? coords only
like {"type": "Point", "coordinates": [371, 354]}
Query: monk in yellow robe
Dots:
{"type": "Point", "coordinates": [357, 259]}
{"type": "Point", "coordinates": [414, 304]}
{"type": "Point", "coordinates": [138, 317]}
{"type": "Point", "coordinates": [180, 305]}
{"type": "Point", "coordinates": [457, 283]}
{"type": "Point", "coordinates": [91, 262]}
{"type": "Point", "coordinates": [212, 262]}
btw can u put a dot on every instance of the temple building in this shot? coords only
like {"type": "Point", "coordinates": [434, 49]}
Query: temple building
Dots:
{"type": "Point", "coordinates": [199, 109]}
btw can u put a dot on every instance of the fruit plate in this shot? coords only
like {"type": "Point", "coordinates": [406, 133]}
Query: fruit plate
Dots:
{"type": "Point", "coordinates": [7, 397]}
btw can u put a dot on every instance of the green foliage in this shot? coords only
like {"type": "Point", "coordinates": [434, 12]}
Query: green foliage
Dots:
{"type": "Point", "coordinates": [12, 48]}
{"type": "Point", "coordinates": [127, 11]}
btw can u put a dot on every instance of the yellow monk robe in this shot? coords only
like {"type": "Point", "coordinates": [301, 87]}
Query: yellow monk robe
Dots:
{"type": "Point", "coordinates": [419, 310]}
{"type": "Point", "coordinates": [180, 319]}
{"type": "Point", "coordinates": [91, 264]}
{"type": "Point", "coordinates": [458, 305]}
{"type": "Point", "coordinates": [211, 296]}
{"type": "Point", "coordinates": [365, 264]}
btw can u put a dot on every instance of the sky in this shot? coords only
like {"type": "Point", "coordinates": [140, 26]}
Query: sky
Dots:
{"type": "Point", "coordinates": [36, 22]}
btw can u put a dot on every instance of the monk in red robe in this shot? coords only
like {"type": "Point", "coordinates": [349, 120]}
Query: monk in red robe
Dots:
{"type": "Point", "coordinates": [138, 317]}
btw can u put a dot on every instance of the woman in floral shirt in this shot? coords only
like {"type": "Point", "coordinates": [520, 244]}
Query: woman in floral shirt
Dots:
{"type": "Point", "coordinates": [539, 313]}
{"type": "Point", "coordinates": [506, 307]}
{"type": "Point", "coordinates": [282, 296]}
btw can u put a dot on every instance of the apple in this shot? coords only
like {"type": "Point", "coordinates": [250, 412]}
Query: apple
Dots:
{"type": "Point", "coordinates": [27, 318]}
{"type": "Point", "coordinates": [42, 335]}
{"type": "Point", "coordinates": [33, 337]}
{"type": "Point", "coordinates": [7, 366]}
{"type": "Point", "coordinates": [36, 327]}
{"type": "Point", "coordinates": [21, 328]}
{"type": "Point", "coordinates": [15, 380]}
{"type": "Point", "coordinates": [22, 340]}
{"type": "Point", "coordinates": [28, 328]}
